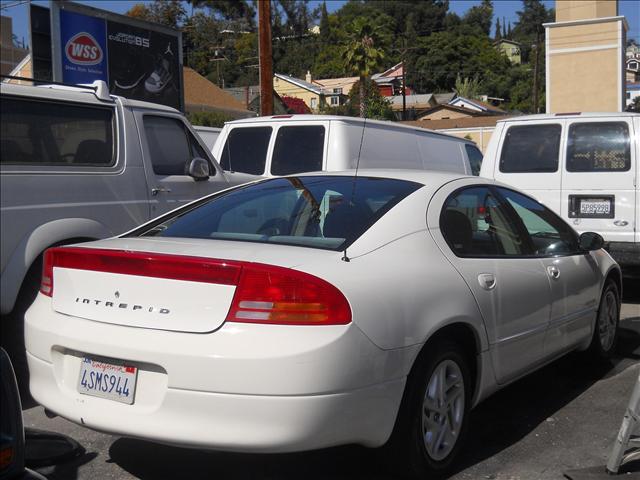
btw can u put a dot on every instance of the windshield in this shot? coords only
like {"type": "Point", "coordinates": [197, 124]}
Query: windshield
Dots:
{"type": "Point", "coordinates": [327, 212]}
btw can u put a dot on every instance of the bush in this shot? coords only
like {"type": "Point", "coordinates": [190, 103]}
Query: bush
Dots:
{"type": "Point", "coordinates": [209, 119]}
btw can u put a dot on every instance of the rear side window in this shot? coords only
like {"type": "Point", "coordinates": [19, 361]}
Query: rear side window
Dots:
{"type": "Point", "coordinates": [170, 145]}
{"type": "Point", "coordinates": [475, 159]}
{"type": "Point", "coordinates": [328, 212]}
{"type": "Point", "coordinates": [51, 133]}
{"type": "Point", "coordinates": [246, 150]}
{"type": "Point", "coordinates": [598, 147]}
{"type": "Point", "coordinates": [531, 148]}
{"type": "Point", "coordinates": [477, 224]}
{"type": "Point", "coordinates": [298, 149]}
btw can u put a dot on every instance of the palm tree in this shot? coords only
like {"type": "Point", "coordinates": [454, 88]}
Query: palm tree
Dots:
{"type": "Point", "coordinates": [361, 55]}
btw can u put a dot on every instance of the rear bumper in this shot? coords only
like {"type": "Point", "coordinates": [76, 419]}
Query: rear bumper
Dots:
{"type": "Point", "coordinates": [627, 254]}
{"type": "Point", "coordinates": [243, 388]}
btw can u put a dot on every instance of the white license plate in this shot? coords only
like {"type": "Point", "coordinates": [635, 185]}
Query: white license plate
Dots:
{"type": "Point", "coordinates": [114, 381]}
{"type": "Point", "coordinates": [595, 207]}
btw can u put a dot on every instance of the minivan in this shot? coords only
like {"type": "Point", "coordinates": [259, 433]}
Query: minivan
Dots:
{"type": "Point", "coordinates": [584, 166]}
{"type": "Point", "coordinates": [286, 144]}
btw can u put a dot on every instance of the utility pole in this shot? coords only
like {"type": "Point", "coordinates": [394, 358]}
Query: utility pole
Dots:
{"type": "Point", "coordinates": [404, 88]}
{"type": "Point", "coordinates": [536, 68]}
{"type": "Point", "coordinates": [266, 60]}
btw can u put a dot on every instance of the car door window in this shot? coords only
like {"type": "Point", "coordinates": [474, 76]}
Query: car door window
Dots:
{"type": "Point", "coordinates": [531, 148]}
{"type": "Point", "coordinates": [246, 150]}
{"type": "Point", "coordinates": [549, 234]}
{"type": "Point", "coordinates": [298, 149]}
{"type": "Point", "coordinates": [168, 145]}
{"type": "Point", "coordinates": [598, 147]}
{"type": "Point", "coordinates": [475, 223]}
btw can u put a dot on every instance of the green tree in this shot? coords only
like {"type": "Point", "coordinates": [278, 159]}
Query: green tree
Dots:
{"type": "Point", "coordinates": [376, 106]}
{"type": "Point", "coordinates": [528, 30]}
{"type": "Point", "coordinates": [209, 119]}
{"type": "Point", "coordinates": [498, 34]}
{"type": "Point", "coordinates": [325, 26]}
{"type": "Point", "coordinates": [361, 54]}
{"type": "Point", "coordinates": [468, 87]}
{"type": "Point", "coordinates": [481, 16]}
{"type": "Point", "coordinates": [170, 13]}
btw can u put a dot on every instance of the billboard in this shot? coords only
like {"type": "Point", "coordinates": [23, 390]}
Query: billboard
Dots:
{"type": "Point", "coordinates": [138, 60]}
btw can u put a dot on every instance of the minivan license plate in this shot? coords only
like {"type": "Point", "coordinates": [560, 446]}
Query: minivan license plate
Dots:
{"type": "Point", "coordinates": [107, 380]}
{"type": "Point", "coordinates": [595, 207]}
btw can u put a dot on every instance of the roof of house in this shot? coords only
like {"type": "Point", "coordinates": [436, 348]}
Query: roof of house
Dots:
{"type": "Point", "coordinates": [300, 83]}
{"type": "Point", "coordinates": [335, 82]}
{"type": "Point", "coordinates": [396, 69]}
{"type": "Point", "coordinates": [468, 111]}
{"type": "Point", "coordinates": [200, 91]}
{"type": "Point", "coordinates": [465, 122]}
{"type": "Point", "coordinates": [485, 107]}
{"type": "Point", "coordinates": [506, 40]}
{"type": "Point", "coordinates": [413, 101]}
{"type": "Point", "coordinates": [444, 97]}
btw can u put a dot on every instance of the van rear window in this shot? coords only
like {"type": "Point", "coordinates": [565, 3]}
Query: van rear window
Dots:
{"type": "Point", "coordinates": [598, 147]}
{"type": "Point", "coordinates": [531, 148]}
{"type": "Point", "coordinates": [246, 150]}
{"type": "Point", "coordinates": [53, 133]}
{"type": "Point", "coordinates": [298, 149]}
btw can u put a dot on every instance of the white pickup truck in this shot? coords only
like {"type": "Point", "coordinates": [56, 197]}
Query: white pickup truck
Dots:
{"type": "Point", "coordinates": [79, 164]}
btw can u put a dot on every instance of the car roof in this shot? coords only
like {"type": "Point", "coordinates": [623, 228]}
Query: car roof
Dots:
{"type": "Point", "coordinates": [432, 179]}
{"type": "Point", "coordinates": [291, 118]}
{"type": "Point", "coordinates": [76, 94]}
{"type": "Point", "coordinates": [560, 116]}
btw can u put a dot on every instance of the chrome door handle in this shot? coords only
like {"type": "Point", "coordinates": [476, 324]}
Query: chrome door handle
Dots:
{"type": "Point", "coordinates": [156, 190]}
{"type": "Point", "coordinates": [487, 281]}
{"type": "Point", "coordinates": [621, 223]}
{"type": "Point", "coordinates": [553, 272]}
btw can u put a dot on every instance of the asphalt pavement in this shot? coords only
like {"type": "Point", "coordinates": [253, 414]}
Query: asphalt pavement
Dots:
{"type": "Point", "coordinates": [565, 416]}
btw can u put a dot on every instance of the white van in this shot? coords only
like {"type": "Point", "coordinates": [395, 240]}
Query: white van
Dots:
{"type": "Point", "coordinates": [286, 144]}
{"type": "Point", "coordinates": [583, 166]}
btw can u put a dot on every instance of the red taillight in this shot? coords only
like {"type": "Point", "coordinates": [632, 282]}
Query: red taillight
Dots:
{"type": "Point", "coordinates": [264, 293]}
{"type": "Point", "coordinates": [275, 295]}
{"type": "Point", "coordinates": [174, 267]}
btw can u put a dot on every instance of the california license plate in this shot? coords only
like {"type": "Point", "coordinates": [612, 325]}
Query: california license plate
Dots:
{"type": "Point", "coordinates": [595, 207]}
{"type": "Point", "coordinates": [114, 381]}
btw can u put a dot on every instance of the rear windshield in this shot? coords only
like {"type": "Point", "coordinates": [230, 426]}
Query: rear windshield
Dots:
{"type": "Point", "coordinates": [328, 212]}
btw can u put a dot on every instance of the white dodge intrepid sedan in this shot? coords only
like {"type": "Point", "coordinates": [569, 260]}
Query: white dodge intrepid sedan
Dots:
{"type": "Point", "coordinates": [316, 310]}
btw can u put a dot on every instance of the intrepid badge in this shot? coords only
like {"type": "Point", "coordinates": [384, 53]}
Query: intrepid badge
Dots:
{"type": "Point", "coordinates": [83, 49]}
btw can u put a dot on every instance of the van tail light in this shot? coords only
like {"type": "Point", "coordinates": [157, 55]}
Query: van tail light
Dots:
{"type": "Point", "coordinates": [276, 295]}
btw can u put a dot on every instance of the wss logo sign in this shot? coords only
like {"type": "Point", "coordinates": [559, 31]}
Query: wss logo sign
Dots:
{"type": "Point", "coordinates": [82, 49]}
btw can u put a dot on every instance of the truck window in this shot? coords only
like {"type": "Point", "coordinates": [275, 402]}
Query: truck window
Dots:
{"type": "Point", "coordinates": [246, 150]}
{"type": "Point", "coordinates": [168, 145]}
{"type": "Point", "coordinates": [598, 147]}
{"type": "Point", "coordinates": [298, 149]}
{"type": "Point", "coordinates": [55, 133]}
{"type": "Point", "coordinates": [475, 159]}
{"type": "Point", "coordinates": [531, 148]}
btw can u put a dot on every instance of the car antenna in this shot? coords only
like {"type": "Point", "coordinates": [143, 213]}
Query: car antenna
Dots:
{"type": "Point", "coordinates": [345, 257]}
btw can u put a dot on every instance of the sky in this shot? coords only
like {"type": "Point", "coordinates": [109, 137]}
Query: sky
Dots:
{"type": "Point", "coordinates": [17, 9]}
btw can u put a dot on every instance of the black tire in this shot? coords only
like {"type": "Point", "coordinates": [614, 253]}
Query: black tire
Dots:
{"type": "Point", "coordinates": [608, 318]}
{"type": "Point", "coordinates": [406, 450]}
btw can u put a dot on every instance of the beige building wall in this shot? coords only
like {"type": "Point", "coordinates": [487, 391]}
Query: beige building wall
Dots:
{"type": "Point", "coordinates": [480, 135]}
{"type": "Point", "coordinates": [287, 89]}
{"type": "Point", "coordinates": [568, 10]}
{"type": "Point", "coordinates": [585, 68]}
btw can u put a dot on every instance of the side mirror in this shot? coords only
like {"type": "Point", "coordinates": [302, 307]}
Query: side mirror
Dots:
{"type": "Point", "coordinates": [591, 241]}
{"type": "Point", "coordinates": [198, 169]}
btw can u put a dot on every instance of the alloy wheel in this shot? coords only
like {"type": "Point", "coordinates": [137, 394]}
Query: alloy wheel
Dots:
{"type": "Point", "coordinates": [443, 410]}
{"type": "Point", "coordinates": [608, 320]}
